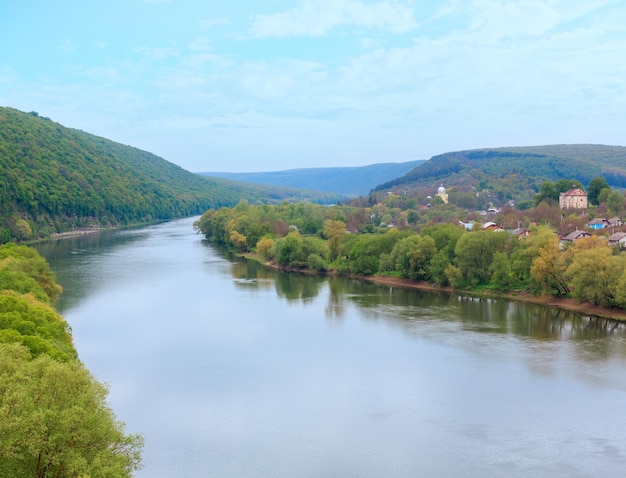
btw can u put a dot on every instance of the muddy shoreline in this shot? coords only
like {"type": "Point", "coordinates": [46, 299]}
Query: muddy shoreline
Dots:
{"type": "Point", "coordinates": [564, 303]}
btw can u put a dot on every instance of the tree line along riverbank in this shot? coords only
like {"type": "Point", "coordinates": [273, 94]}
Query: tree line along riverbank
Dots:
{"type": "Point", "coordinates": [586, 276]}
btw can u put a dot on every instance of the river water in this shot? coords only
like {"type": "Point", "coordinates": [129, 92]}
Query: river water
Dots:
{"type": "Point", "coordinates": [232, 370]}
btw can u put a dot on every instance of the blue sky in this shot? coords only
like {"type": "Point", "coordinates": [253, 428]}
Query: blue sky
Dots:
{"type": "Point", "coordinates": [259, 86]}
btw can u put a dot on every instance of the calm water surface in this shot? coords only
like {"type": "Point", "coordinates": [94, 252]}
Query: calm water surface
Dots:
{"type": "Point", "coordinates": [231, 370]}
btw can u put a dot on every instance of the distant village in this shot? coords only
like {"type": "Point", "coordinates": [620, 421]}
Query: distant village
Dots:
{"type": "Point", "coordinates": [573, 200]}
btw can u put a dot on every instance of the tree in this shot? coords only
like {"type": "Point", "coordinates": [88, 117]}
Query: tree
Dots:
{"type": "Point", "coordinates": [563, 185]}
{"type": "Point", "coordinates": [288, 250]}
{"type": "Point", "coordinates": [55, 422]}
{"type": "Point", "coordinates": [22, 230]}
{"type": "Point", "coordinates": [366, 251]}
{"type": "Point", "coordinates": [501, 273]}
{"type": "Point", "coordinates": [334, 232]}
{"type": "Point", "coordinates": [547, 191]}
{"type": "Point", "coordinates": [596, 185]}
{"type": "Point", "coordinates": [238, 241]}
{"type": "Point", "coordinates": [604, 195]}
{"type": "Point", "coordinates": [438, 265]}
{"type": "Point", "coordinates": [522, 260]}
{"type": "Point", "coordinates": [548, 269]}
{"type": "Point", "coordinates": [594, 275]}
{"type": "Point", "coordinates": [474, 254]}
{"type": "Point", "coordinates": [265, 248]}
{"type": "Point", "coordinates": [411, 256]}
{"type": "Point", "coordinates": [615, 203]}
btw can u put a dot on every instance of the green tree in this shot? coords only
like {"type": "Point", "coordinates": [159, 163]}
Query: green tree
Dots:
{"type": "Point", "coordinates": [55, 422]}
{"type": "Point", "coordinates": [501, 273]}
{"type": "Point", "coordinates": [596, 185]}
{"type": "Point", "coordinates": [438, 265]}
{"type": "Point", "coordinates": [411, 257]}
{"type": "Point", "coordinates": [474, 254]}
{"type": "Point", "coordinates": [594, 275]}
{"type": "Point", "coordinates": [523, 258]}
{"type": "Point", "coordinates": [25, 260]}
{"type": "Point", "coordinates": [547, 191]}
{"type": "Point", "coordinates": [604, 195]}
{"type": "Point", "coordinates": [22, 230]}
{"type": "Point", "coordinates": [289, 252]}
{"type": "Point", "coordinates": [615, 203]}
{"type": "Point", "coordinates": [334, 232]}
{"type": "Point", "coordinates": [366, 251]}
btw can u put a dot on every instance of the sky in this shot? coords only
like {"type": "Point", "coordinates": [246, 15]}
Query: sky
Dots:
{"type": "Point", "coordinates": [249, 85]}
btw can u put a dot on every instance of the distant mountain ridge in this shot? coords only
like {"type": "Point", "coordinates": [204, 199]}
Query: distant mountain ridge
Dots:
{"type": "Point", "coordinates": [352, 181]}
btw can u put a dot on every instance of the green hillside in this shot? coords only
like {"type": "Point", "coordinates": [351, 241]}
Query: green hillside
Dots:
{"type": "Point", "coordinates": [516, 172]}
{"type": "Point", "coordinates": [351, 181]}
{"type": "Point", "coordinates": [55, 179]}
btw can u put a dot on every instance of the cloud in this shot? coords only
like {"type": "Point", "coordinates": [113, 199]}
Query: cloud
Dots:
{"type": "Point", "coordinates": [7, 75]}
{"type": "Point", "coordinates": [319, 17]}
{"type": "Point", "coordinates": [487, 22]}
{"type": "Point", "coordinates": [214, 22]}
{"type": "Point", "coordinates": [157, 53]}
{"type": "Point", "coordinates": [66, 45]}
{"type": "Point", "coordinates": [200, 44]}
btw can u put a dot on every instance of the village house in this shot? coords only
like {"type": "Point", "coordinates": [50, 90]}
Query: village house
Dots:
{"type": "Point", "coordinates": [573, 199]}
{"type": "Point", "coordinates": [491, 226]}
{"type": "Point", "coordinates": [597, 223]}
{"type": "Point", "coordinates": [618, 239]}
{"type": "Point", "coordinates": [574, 236]}
{"type": "Point", "coordinates": [520, 232]}
{"type": "Point", "coordinates": [615, 222]}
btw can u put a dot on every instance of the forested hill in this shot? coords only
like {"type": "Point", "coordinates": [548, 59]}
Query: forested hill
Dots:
{"type": "Point", "coordinates": [54, 179]}
{"type": "Point", "coordinates": [517, 169]}
{"type": "Point", "coordinates": [354, 181]}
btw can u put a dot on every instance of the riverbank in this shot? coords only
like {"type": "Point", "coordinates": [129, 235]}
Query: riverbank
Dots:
{"type": "Point", "coordinates": [564, 303]}
{"type": "Point", "coordinates": [75, 232]}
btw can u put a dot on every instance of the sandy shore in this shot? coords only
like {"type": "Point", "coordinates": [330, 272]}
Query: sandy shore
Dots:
{"type": "Point", "coordinates": [75, 232]}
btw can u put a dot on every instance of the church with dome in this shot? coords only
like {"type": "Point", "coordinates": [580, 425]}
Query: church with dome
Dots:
{"type": "Point", "coordinates": [441, 192]}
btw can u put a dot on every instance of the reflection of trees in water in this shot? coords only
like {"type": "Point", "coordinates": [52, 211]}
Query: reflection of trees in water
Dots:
{"type": "Point", "coordinates": [76, 260]}
{"type": "Point", "coordinates": [592, 338]}
{"type": "Point", "coordinates": [251, 274]}
{"type": "Point", "coordinates": [293, 286]}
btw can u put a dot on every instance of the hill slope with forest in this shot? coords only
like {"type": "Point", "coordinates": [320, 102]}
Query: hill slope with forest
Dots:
{"type": "Point", "coordinates": [54, 179]}
{"type": "Point", "coordinates": [516, 172]}
{"type": "Point", "coordinates": [352, 181]}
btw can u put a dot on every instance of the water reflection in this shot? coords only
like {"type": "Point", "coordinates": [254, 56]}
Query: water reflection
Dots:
{"type": "Point", "coordinates": [408, 308]}
{"type": "Point", "coordinates": [80, 262]}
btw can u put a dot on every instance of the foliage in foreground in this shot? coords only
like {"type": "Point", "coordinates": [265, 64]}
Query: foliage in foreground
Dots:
{"type": "Point", "coordinates": [445, 254]}
{"type": "Point", "coordinates": [54, 421]}
{"type": "Point", "coordinates": [54, 418]}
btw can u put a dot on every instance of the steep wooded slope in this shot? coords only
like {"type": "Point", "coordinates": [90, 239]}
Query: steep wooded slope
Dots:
{"type": "Point", "coordinates": [55, 178]}
{"type": "Point", "coordinates": [354, 181]}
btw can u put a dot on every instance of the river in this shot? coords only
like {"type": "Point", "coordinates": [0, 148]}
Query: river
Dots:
{"type": "Point", "coordinates": [229, 369]}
